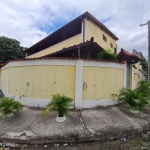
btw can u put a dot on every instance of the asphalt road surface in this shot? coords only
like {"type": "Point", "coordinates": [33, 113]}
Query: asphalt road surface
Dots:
{"type": "Point", "coordinates": [134, 142]}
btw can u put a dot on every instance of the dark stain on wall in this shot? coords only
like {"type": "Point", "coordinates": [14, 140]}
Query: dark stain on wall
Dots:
{"type": "Point", "coordinates": [84, 86]}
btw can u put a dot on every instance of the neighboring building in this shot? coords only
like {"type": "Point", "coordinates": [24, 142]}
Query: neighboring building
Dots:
{"type": "Point", "coordinates": [134, 68]}
{"type": "Point", "coordinates": [80, 30]}
{"type": "Point", "coordinates": [137, 71]}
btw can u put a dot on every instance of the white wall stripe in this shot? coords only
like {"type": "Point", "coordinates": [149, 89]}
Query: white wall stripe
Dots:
{"type": "Point", "coordinates": [38, 62]}
{"type": "Point", "coordinates": [78, 88]}
{"type": "Point", "coordinates": [103, 64]}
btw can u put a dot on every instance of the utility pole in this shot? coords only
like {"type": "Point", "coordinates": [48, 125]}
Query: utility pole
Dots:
{"type": "Point", "coordinates": [148, 48]}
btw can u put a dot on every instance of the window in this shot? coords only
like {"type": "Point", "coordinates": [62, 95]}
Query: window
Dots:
{"type": "Point", "coordinates": [104, 38]}
{"type": "Point", "coordinates": [111, 45]}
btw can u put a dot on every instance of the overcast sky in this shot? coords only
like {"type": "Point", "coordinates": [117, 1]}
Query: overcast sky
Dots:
{"type": "Point", "coordinates": [31, 21]}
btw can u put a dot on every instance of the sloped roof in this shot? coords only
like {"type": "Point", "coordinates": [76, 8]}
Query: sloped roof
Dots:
{"type": "Point", "coordinates": [75, 47]}
{"type": "Point", "coordinates": [85, 15]}
{"type": "Point", "coordinates": [1, 65]}
{"type": "Point", "coordinates": [126, 56]}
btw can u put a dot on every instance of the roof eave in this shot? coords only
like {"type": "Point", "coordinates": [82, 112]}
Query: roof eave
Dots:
{"type": "Point", "coordinates": [101, 25]}
{"type": "Point", "coordinates": [80, 17]}
{"type": "Point", "coordinates": [86, 14]}
{"type": "Point", "coordinates": [127, 54]}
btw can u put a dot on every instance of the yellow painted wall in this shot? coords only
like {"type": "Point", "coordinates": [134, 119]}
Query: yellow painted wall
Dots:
{"type": "Point", "coordinates": [42, 81]}
{"type": "Point", "coordinates": [136, 75]}
{"type": "Point", "coordinates": [4, 77]}
{"type": "Point", "coordinates": [57, 47]}
{"type": "Point", "coordinates": [101, 83]}
{"type": "Point", "coordinates": [36, 55]}
{"type": "Point", "coordinates": [93, 30]}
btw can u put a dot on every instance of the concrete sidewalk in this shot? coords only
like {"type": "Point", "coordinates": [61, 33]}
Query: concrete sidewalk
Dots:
{"type": "Point", "coordinates": [91, 124]}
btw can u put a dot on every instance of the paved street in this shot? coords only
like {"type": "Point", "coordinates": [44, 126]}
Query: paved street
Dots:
{"type": "Point", "coordinates": [134, 142]}
{"type": "Point", "coordinates": [92, 124]}
{"type": "Point", "coordinates": [105, 125]}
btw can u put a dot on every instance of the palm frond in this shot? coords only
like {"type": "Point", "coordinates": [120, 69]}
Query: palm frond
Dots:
{"type": "Point", "coordinates": [59, 103]}
{"type": "Point", "coordinates": [8, 105]}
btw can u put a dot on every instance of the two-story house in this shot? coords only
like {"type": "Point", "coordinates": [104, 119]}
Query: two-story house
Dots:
{"type": "Point", "coordinates": [79, 30]}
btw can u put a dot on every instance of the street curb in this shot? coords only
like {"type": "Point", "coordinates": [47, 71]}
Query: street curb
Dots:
{"type": "Point", "coordinates": [103, 136]}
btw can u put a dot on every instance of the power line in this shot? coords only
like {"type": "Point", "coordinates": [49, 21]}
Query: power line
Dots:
{"type": "Point", "coordinates": [148, 23]}
{"type": "Point", "coordinates": [143, 44]}
{"type": "Point", "coordinates": [142, 17]}
{"type": "Point", "coordinates": [142, 12]}
{"type": "Point", "coordinates": [145, 48]}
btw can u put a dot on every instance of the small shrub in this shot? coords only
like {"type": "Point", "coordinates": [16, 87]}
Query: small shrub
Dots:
{"type": "Point", "coordinates": [144, 88]}
{"type": "Point", "coordinates": [106, 55]}
{"type": "Point", "coordinates": [132, 97]}
{"type": "Point", "coordinates": [59, 103]}
{"type": "Point", "coordinates": [8, 105]}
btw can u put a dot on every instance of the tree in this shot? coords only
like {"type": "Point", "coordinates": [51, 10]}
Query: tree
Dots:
{"type": "Point", "coordinates": [10, 49]}
{"type": "Point", "coordinates": [107, 55]}
{"type": "Point", "coordinates": [144, 64]}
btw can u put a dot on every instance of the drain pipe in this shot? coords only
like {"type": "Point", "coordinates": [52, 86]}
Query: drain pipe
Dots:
{"type": "Point", "coordinates": [83, 30]}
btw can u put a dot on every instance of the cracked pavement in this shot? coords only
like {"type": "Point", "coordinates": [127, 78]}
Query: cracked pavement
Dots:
{"type": "Point", "coordinates": [92, 124]}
